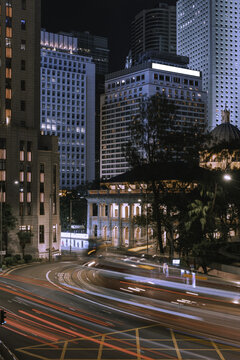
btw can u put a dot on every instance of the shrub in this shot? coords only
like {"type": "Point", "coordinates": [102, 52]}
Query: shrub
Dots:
{"type": "Point", "coordinates": [27, 258]}
{"type": "Point", "coordinates": [17, 257]}
{"type": "Point", "coordinates": [21, 261]}
{"type": "Point", "coordinates": [9, 261]}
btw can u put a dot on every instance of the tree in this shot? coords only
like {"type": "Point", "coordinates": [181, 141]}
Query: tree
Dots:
{"type": "Point", "coordinates": [24, 239]}
{"type": "Point", "coordinates": [8, 223]}
{"type": "Point", "coordinates": [211, 216]}
{"type": "Point", "coordinates": [157, 137]}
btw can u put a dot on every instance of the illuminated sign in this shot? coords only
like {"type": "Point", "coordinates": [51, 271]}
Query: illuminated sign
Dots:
{"type": "Point", "coordinates": [176, 69]}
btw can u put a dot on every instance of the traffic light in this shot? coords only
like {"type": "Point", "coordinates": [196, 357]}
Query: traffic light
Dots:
{"type": "Point", "coordinates": [2, 317]}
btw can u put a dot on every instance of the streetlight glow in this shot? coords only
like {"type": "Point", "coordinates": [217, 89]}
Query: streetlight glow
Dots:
{"type": "Point", "coordinates": [227, 177]}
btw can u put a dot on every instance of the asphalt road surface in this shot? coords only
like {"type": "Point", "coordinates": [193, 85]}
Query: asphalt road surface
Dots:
{"type": "Point", "coordinates": [69, 310]}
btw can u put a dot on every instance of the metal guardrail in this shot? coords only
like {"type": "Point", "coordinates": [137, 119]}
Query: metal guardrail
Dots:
{"type": "Point", "coordinates": [5, 353]}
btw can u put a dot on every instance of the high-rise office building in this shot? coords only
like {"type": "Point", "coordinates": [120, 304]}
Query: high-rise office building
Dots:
{"type": "Point", "coordinates": [208, 33]}
{"type": "Point", "coordinates": [29, 162]}
{"type": "Point", "coordinates": [68, 106]}
{"type": "Point", "coordinates": [124, 91]}
{"type": "Point", "coordinates": [153, 29]}
{"type": "Point", "coordinates": [95, 47]}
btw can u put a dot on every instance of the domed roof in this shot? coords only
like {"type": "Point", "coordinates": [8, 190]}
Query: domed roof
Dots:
{"type": "Point", "coordinates": [225, 132]}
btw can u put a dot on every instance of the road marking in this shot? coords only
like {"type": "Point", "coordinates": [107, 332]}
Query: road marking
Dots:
{"type": "Point", "coordinates": [217, 350]}
{"type": "Point", "coordinates": [64, 350]}
{"type": "Point", "coordinates": [176, 345]}
{"type": "Point", "coordinates": [138, 344]}
{"type": "Point", "coordinates": [101, 348]}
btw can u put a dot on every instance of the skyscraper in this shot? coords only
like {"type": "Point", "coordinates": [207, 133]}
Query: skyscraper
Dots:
{"type": "Point", "coordinates": [29, 162]}
{"type": "Point", "coordinates": [68, 106]}
{"type": "Point", "coordinates": [208, 33]}
{"type": "Point", "coordinates": [154, 29]}
{"type": "Point", "coordinates": [124, 91]}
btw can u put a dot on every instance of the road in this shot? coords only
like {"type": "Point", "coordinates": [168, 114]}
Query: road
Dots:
{"type": "Point", "coordinates": [68, 311]}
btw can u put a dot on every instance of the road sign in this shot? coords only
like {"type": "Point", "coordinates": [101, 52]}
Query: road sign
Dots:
{"type": "Point", "coordinates": [3, 252]}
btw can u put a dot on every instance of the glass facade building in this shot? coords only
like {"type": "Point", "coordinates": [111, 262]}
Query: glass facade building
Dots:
{"type": "Point", "coordinates": [67, 106]}
{"type": "Point", "coordinates": [208, 33]}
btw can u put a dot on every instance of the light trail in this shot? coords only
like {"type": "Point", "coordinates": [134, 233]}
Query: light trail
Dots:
{"type": "Point", "coordinates": [175, 292]}
{"type": "Point", "coordinates": [149, 307]}
{"type": "Point", "coordinates": [62, 309]}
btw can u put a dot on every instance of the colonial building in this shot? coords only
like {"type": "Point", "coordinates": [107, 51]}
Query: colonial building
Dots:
{"type": "Point", "coordinates": [112, 208]}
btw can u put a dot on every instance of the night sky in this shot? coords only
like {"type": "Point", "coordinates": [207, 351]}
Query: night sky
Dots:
{"type": "Point", "coordinates": [110, 18]}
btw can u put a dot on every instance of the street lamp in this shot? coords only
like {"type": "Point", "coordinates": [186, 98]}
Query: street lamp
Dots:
{"type": "Point", "coordinates": [227, 177]}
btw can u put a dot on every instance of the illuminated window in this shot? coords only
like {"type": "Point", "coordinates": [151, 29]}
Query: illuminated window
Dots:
{"type": "Point", "coordinates": [29, 177]}
{"type": "Point", "coordinates": [8, 32]}
{"type": "Point", "coordinates": [21, 197]}
{"type": "Point", "coordinates": [41, 177]}
{"type": "Point", "coordinates": [29, 156]}
{"type": "Point", "coordinates": [29, 197]}
{"type": "Point", "coordinates": [8, 73]}
{"type": "Point", "coordinates": [9, 11]}
{"type": "Point", "coordinates": [8, 93]}
{"type": "Point", "coordinates": [9, 53]}
{"type": "Point", "coordinates": [21, 155]}
{"type": "Point", "coordinates": [3, 154]}
{"type": "Point", "coordinates": [8, 116]}
{"type": "Point", "coordinates": [2, 175]}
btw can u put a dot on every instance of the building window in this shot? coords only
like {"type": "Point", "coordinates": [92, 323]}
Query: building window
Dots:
{"type": "Point", "coordinates": [24, 5]}
{"type": "Point", "coordinates": [23, 24]}
{"type": "Point", "coordinates": [41, 208]}
{"type": "Point", "coordinates": [23, 85]}
{"type": "Point", "coordinates": [41, 234]}
{"type": "Point", "coordinates": [23, 65]}
{"type": "Point", "coordinates": [23, 45]}
{"type": "Point", "coordinates": [23, 105]}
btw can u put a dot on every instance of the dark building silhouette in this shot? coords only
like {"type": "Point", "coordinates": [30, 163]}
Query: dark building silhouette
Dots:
{"type": "Point", "coordinates": [153, 29]}
{"type": "Point", "coordinates": [29, 162]}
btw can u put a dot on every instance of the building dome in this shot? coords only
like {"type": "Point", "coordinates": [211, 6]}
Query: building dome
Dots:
{"type": "Point", "coordinates": [226, 132]}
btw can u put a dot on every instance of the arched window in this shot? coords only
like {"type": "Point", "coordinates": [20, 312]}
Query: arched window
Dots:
{"type": "Point", "coordinates": [126, 211]}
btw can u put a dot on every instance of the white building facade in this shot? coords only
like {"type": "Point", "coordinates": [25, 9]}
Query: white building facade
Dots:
{"type": "Point", "coordinates": [68, 106]}
{"type": "Point", "coordinates": [124, 90]}
{"type": "Point", "coordinates": [208, 33]}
